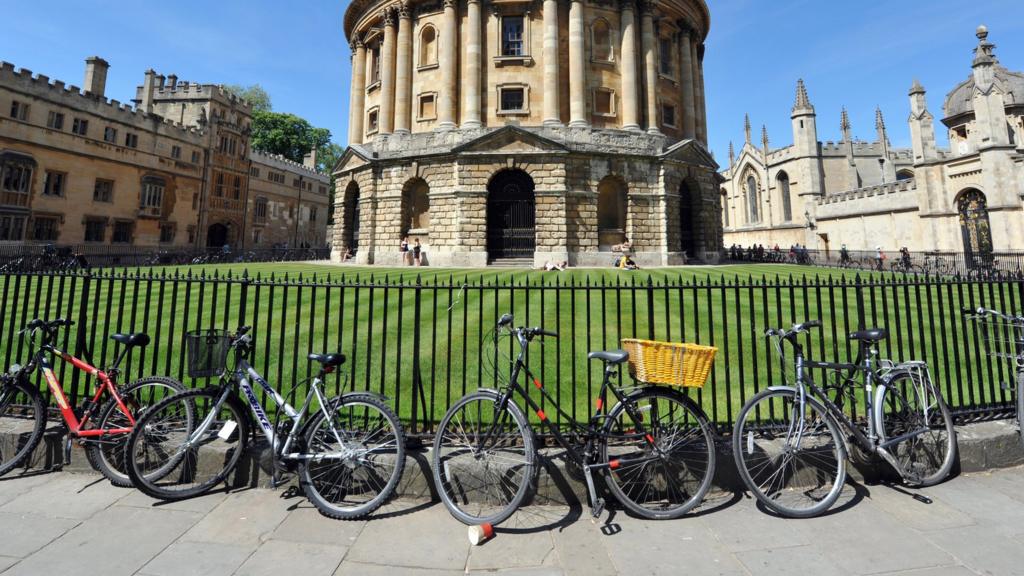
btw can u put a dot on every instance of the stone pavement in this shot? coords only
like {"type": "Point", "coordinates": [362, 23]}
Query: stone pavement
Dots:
{"type": "Point", "coordinates": [55, 523]}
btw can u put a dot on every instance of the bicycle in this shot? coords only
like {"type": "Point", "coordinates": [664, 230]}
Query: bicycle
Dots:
{"type": "Point", "coordinates": [937, 265]}
{"type": "Point", "coordinates": [23, 412]}
{"type": "Point", "coordinates": [787, 441]}
{"type": "Point", "coordinates": [1002, 336]}
{"type": "Point", "coordinates": [349, 455]}
{"type": "Point", "coordinates": [655, 446]}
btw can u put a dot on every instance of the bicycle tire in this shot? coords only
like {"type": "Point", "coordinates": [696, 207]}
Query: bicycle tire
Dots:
{"type": "Point", "coordinates": [107, 455]}
{"type": "Point", "coordinates": [697, 439]}
{"type": "Point", "coordinates": [453, 487]}
{"type": "Point", "coordinates": [1020, 403]}
{"type": "Point", "coordinates": [748, 436]}
{"type": "Point", "coordinates": [900, 410]}
{"type": "Point", "coordinates": [186, 464]}
{"type": "Point", "coordinates": [348, 469]}
{"type": "Point", "coordinates": [15, 420]}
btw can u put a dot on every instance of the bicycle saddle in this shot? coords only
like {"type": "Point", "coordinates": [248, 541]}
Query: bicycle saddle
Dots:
{"type": "Point", "coordinates": [136, 339]}
{"type": "Point", "coordinates": [328, 360]}
{"type": "Point", "coordinates": [870, 335]}
{"type": "Point", "coordinates": [610, 356]}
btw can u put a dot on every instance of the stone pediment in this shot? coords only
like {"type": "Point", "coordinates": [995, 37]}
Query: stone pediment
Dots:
{"type": "Point", "coordinates": [354, 157]}
{"type": "Point", "coordinates": [511, 140]}
{"type": "Point", "coordinates": [690, 152]}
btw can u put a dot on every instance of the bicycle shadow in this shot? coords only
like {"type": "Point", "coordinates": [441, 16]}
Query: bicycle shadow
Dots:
{"type": "Point", "coordinates": [844, 503]}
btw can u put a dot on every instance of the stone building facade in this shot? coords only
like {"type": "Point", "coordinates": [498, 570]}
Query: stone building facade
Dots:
{"type": "Point", "coordinates": [531, 131]}
{"type": "Point", "coordinates": [969, 198]}
{"type": "Point", "coordinates": [77, 168]}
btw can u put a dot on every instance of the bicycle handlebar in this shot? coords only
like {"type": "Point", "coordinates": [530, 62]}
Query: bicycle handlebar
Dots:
{"type": "Point", "coordinates": [530, 333]}
{"type": "Point", "coordinates": [796, 329]}
{"type": "Point", "coordinates": [50, 326]}
{"type": "Point", "coordinates": [981, 312]}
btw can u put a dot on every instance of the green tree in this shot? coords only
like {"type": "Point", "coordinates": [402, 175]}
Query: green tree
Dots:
{"type": "Point", "coordinates": [326, 157]}
{"type": "Point", "coordinates": [255, 95]}
{"type": "Point", "coordinates": [287, 135]}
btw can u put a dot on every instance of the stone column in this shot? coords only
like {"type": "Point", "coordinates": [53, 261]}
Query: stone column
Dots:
{"type": "Point", "coordinates": [629, 72]}
{"type": "Point", "coordinates": [357, 95]}
{"type": "Point", "coordinates": [687, 86]}
{"type": "Point", "coordinates": [449, 61]}
{"type": "Point", "coordinates": [577, 68]}
{"type": "Point", "coordinates": [552, 116]}
{"type": "Point", "coordinates": [650, 64]}
{"type": "Point", "coordinates": [474, 60]}
{"type": "Point", "coordinates": [698, 94]}
{"type": "Point", "coordinates": [702, 113]}
{"type": "Point", "coordinates": [403, 74]}
{"type": "Point", "coordinates": [387, 75]}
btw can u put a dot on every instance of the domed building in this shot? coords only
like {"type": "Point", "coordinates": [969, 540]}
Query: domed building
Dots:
{"type": "Point", "coordinates": [968, 198]}
{"type": "Point", "coordinates": [512, 131]}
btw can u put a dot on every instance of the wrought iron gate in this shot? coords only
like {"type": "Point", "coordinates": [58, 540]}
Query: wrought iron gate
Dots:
{"type": "Point", "coordinates": [974, 225]}
{"type": "Point", "coordinates": [511, 216]}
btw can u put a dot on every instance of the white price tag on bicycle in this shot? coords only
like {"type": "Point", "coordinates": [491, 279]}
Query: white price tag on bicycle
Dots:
{"type": "Point", "coordinates": [226, 431]}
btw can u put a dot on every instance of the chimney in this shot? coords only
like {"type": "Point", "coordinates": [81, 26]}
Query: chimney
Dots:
{"type": "Point", "coordinates": [173, 81]}
{"type": "Point", "coordinates": [309, 160]}
{"type": "Point", "coordinates": [96, 76]}
{"type": "Point", "coordinates": [147, 91]}
{"type": "Point", "coordinates": [161, 81]}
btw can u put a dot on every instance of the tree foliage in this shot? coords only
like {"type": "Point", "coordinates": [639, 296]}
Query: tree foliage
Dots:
{"type": "Point", "coordinates": [255, 95]}
{"type": "Point", "coordinates": [287, 135]}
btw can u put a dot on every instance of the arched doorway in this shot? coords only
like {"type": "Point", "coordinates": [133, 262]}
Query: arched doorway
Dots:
{"type": "Point", "coordinates": [511, 215]}
{"type": "Point", "coordinates": [611, 213]}
{"type": "Point", "coordinates": [689, 214]}
{"type": "Point", "coordinates": [350, 218]}
{"type": "Point", "coordinates": [974, 226]}
{"type": "Point", "coordinates": [217, 235]}
{"type": "Point", "coordinates": [416, 208]}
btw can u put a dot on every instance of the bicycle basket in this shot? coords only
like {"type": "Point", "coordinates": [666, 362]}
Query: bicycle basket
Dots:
{"type": "Point", "coordinates": [1002, 339]}
{"type": "Point", "coordinates": [669, 363]}
{"type": "Point", "coordinates": [207, 352]}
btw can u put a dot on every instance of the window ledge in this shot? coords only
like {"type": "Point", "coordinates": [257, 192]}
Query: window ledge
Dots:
{"type": "Point", "coordinates": [599, 62]}
{"type": "Point", "coordinates": [667, 78]}
{"type": "Point", "coordinates": [418, 232]}
{"type": "Point", "coordinates": [513, 112]}
{"type": "Point", "coordinates": [430, 66]}
{"type": "Point", "coordinates": [427, 118]}
{"type": "Point", "coordinates": [373, 86]}
{"type": "Point", "coordinates": [524, 60]}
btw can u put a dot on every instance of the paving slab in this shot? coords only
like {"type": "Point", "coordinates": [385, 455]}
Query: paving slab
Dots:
{"type": "Point", "coordinates": [201, 504]}
{"type": "Point", "coordinates": [244, 518]}
{"type": "Point", "coordinates": [198, 559]}
{"type": "Point", "coordinates": [14, 485]}
{"type": "Point", "coordinates": [349, 568]}
{"type": "Point", "coordinates": [655, 548]}
{"type": "Point", "coordinates": [981, 550]}
{"type": "Point", "coordinates": [524, 550]}
{"type": "Point", "coordinates": [900, 504]}
{"type": "Point", "coordinates": [305, 523]}
{"type": "Point", "coordinates": [786, 561]}
{"type": "Point", "coordinates": [430, 538]}
{"type": "Point", "coordinates": [8, 561]}
{"type": "Point", "coordinates": [23, 534]}
{"type": "Point", "coordinates": [581, 550]}
{"type": "Point", "coordinates": [277, 556]}
{"type": "Point", "coordinates": [64, 495]}
{"type": "Point", "coordinates": [118, 540]}
{"type": "Point", "coordinates": [941, 571]}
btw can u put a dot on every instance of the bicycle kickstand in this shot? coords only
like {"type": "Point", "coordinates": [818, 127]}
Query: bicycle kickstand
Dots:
{"type": "Point", "coordinates": [597, 504]}
{"type": "Point", "coordinates": [67, 450]}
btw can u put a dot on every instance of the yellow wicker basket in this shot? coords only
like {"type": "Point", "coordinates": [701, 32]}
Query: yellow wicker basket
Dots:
{"type": "Point", "coordinates": [669, 363]}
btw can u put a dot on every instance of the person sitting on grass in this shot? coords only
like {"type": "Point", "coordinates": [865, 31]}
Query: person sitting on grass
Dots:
{"type": "Point", "coordinates": [556, 266]}
{"type": "Point", "coordinates": [627, 263]}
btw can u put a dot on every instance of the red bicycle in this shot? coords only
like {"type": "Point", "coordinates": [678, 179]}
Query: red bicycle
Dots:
{"type": "Point", "coordinates": [23, 412]}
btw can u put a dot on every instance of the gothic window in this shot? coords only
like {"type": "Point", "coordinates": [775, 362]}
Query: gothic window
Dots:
{"type": "Point", "coordinates": [753, 201]}
{"type": "Point", "coordinates": [55, 120]}
{"type": "Point", "coordinates": [260, 211]}
{"type": "Point", "coordinates": [904, 175]}
{"type": "Point", "coordinates": [725, 208]}
{"type": "Point", "coordinates": [601, 41]}
{"type": "Point", "coordinates": [12, 227]}
{"type": "Point", "coordinates": [428, 46]}
{"type": "Point", "coordinates": [152, 193]}
{"type": "Point", "coordinates": [15, 178]}
{"type": "Point", "coordinates": [611, 213]}
{"type": "Point", "coordinates": [54, 184]}
{"type": "Point", "coordinates": [512, 36]}
{"type": "Point", "coordinates": [103, 191]}
{"type": "Point", "coordinates": [45, 228]}
{"type": "Point", "coordinates": [787, 202]}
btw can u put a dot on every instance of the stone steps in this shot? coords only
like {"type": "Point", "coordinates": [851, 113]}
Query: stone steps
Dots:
{"type": "Point", "coordinates": [511, 263]}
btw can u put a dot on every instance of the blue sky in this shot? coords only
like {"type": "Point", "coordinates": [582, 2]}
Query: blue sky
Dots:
{"type": "Point", "coordinates": [860, 54]}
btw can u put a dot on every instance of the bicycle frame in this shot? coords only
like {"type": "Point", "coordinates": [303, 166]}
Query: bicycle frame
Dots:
{"type": "Point", "coordinates": [76, 426]}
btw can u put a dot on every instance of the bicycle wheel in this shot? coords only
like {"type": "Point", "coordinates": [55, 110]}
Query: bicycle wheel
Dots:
{"type": "Point", "coordinates": [1020, 403]}
{"type": "Point", "coordinates": [22, 420]}
{"type": "Point", "coordinates": [184, 445]}
{"type": "Point", "coordinates": [672, 473]}
{"type": "Point", "coordinates": [107, 454]}
{"type": "Point", "coordinates": [358, 457]}
{"type": "Point", "coordinates": [909, 405]}
{"type": "Point", "coordinates": [484, 459]}
{"type": "Point", "coordinates": [792, 460]}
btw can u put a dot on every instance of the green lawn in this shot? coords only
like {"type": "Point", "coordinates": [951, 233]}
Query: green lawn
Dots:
{"type": "Point", "coordinates": [366, 313]}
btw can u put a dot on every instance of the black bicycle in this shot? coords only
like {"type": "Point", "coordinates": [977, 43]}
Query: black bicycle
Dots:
{"type": "Point", "coordinates": [787, 442]}
{"type": "Point", "coordinates": [655, 446]}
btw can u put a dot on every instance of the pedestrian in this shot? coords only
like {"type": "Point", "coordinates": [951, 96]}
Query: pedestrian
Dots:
{"type": "Point", "coordinates": [417, 252]}
{"type": "Point", "coordinates": [879, 258]}
{"type": "Point", "coordinates": [404, 249]}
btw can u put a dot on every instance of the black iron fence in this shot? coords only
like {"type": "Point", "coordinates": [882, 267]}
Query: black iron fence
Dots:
{"type": "Point", "coordinates": [22, 257]}
{"type": "Point", "coordinates": [419, 343]}
{"type": "Point", "coordinates": [926, 263]}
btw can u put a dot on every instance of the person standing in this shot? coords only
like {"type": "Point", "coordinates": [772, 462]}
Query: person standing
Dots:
{"type": "Point", "coordinates": [417, 251]}
{"type": "Point", "coordinates": [404, 249]}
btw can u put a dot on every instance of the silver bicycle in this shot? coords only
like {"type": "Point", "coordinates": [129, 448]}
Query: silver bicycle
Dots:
{"type": "Point", "coordinates": [1002, 336]}
{"type": "Point", "coordinates": [349, 454]}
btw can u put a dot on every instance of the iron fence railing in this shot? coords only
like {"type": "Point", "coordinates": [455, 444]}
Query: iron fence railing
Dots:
{"type": "Point", "coordinates": [46, 258]}
{"type": "Point", "coordinates": [927, 263]}
{"type": "Point", "coordinates": [419, 343]}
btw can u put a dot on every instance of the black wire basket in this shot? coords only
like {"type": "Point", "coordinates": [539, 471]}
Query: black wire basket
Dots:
{"type": "Point", "coordinates": [207, 352]}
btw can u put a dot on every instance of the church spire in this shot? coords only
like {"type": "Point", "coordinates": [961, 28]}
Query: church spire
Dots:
{"type": "Point", "coordinates": [879, 119]}
{"type": "Point", "coordinates": [985, 52]}
{"type": "Point", "coordinates": [844, 125]}
{"type": "Point", "coordinates": [764, 137]}
{"type": "Point", "coordinates": [746, 126]}
{"type": "Point", "coordinates": [732, 154]}
{"type": "Point", "coordinates": [803, 103]}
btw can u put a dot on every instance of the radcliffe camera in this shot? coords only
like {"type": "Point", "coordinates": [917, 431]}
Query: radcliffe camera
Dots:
{"type": "Point", "coordinates": [548, 287]}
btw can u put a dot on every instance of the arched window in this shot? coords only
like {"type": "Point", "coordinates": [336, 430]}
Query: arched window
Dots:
{"type": "Point", "coordinates": [428, 46]}
{"type": "Point", "coordinates": [601, 41]}
{"type": "Point", "coordinates": [787, 202]}
{"type": "Point", "coordinates": [416, 207]}
{"type": "Point", "coordinates": [611, 213]}
{"type": "Point", "coordinates": [753, 201]}
{"type": "Point", "coordinates": [725, 208]}
{"type": "Point", "coordinates": [904, 175]}
{"type": "Point", "coordinates": [350, 218]}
